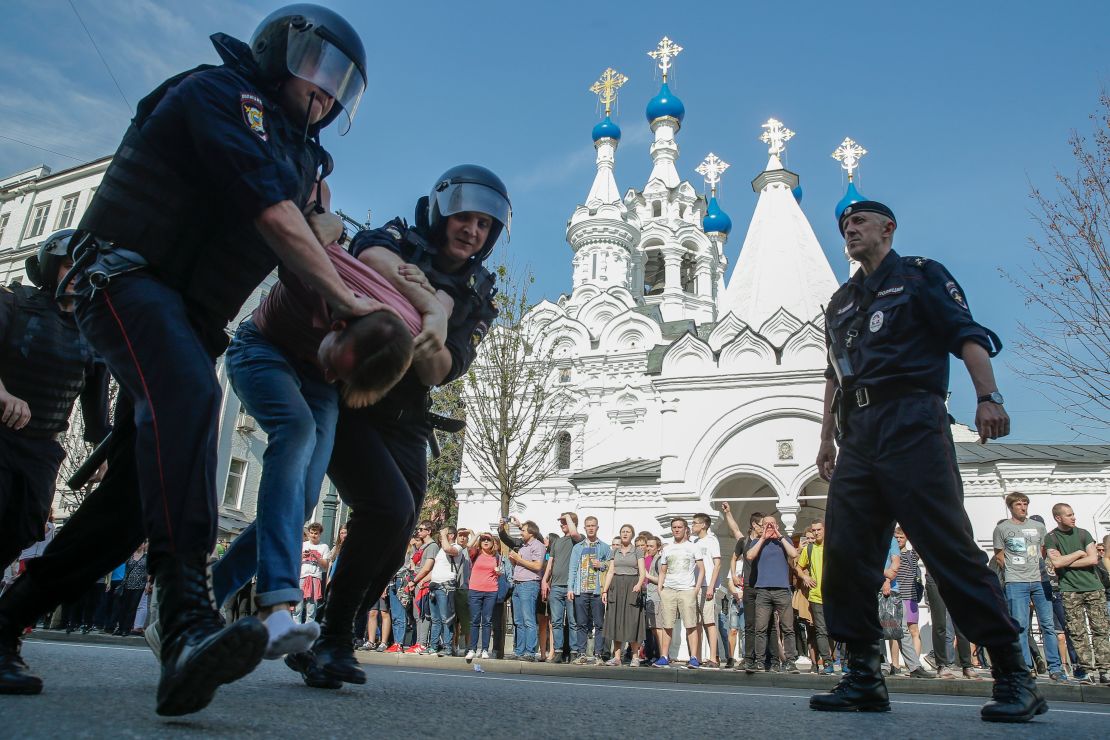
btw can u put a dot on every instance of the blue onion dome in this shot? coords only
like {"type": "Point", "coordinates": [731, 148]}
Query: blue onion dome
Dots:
{"type": "Point", "coordinates": [716, 219]}
{"type": "Point", "coordinates": [850, 197]}
{"type": "Point", "coordinates": [666, 103]}
{"type": "Point", "coordinates": [797, 194]}
{"type": "Point", "coordinates": [607, 130]}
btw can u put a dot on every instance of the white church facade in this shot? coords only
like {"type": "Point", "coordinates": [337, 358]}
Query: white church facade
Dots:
{"type": "Point", "coordinates": [687, 391]}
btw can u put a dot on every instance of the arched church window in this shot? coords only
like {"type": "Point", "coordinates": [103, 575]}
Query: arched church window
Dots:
{"type": "Point", "coordinates": [656, 209]}
{"type": "Point", "coordinates": [682, 211]}
{"type": "Point", "coordinates": [593, 271]}
{"type": "Point", "coordinates": [655, 273]}
{"type": "Point", "coordinates": [562, 450]}
{"type": "Point", "coordinates": [689, 273]}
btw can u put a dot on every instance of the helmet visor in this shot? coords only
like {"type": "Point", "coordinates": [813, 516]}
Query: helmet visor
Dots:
{"type": "Point", "coordinates": [468, 196]}
{"type": "Point", "coordinates": [312, 57]}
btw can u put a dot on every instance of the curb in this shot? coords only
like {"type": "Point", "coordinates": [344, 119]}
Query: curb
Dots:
{"type": "Point", "coordinates": [897, 685]}
{"type": "Point", "coordinates": [92, 638]}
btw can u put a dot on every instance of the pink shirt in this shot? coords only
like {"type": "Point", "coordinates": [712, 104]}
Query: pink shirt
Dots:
{"type": "Point", "coordinates": [483, 573]}
{"type": "Point", "coordinates": [296, 319]}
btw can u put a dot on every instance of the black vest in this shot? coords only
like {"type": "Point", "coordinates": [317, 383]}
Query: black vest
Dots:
{"type": "Point", "coordinates": [189, 241]}
{"type": "Point", "coordinates": [43, 360]}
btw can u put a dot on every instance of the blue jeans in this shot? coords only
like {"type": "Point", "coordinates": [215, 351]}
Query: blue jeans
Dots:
{"type": "Point", "coordinates": [1018, 596]}
{"type": "Point", "coordinates": [481, 617]}
{"type": "Point", "coordinates": [560, 609]}
{"type": "Point", "coordinates": [442, 600]}
{"type": "Point", "coordinates": [589, 611]}
{"type": "Point", "coordinates": [397, 612]}
{"type": "Point", "coordinates": [298, 414]}
{"type": "Point", "coordinates": [526, 640]}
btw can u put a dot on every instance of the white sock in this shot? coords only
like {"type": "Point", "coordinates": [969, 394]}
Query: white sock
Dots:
{"type": "Point", "coordinates": [287, 636]}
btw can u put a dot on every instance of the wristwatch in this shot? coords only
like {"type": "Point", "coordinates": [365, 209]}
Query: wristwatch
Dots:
{"type": "Point", "coordinates": [993, 397]}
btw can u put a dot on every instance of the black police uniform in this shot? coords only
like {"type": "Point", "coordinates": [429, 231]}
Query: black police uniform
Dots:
{"type": "Point", "coordinates": [174, 257]}
{"type": "Point", "coordinates": [379, 463]}
{"type": "Point", "coordinates": [44, 361]}
{"type": "Point", "coordinates": [891, 333]}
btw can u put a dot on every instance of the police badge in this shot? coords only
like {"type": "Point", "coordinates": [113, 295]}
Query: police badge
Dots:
{"type": "Point", "coordinates": [252, 107]}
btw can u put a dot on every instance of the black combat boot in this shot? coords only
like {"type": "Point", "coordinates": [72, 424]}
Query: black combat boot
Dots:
{"type": "Point", "coordinates": [198, 653]}
{"type": "Point", "coordinates": [1015, 697]}
{"type": "Point", "coordinates": [19, 606]}
{"type": "Point", "coordinates": [331, 661]}
{"type": "Point", "coordinates": [862, 688]}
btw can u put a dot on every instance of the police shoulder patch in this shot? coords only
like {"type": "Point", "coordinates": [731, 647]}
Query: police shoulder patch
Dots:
{"type": "Point", "coordinates": [252, 107]}
{"type": "Point", "coordinates": [479, 333]}
{"type": "Point", "coordinates": [953, 292]}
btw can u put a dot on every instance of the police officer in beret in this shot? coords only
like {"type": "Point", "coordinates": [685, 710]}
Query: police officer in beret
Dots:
{"type": "Point", "coordinates": [45, 366]}
{"type": "Point", "coordinates": [889, 331]}
{"type": "Point", "coordinates": [204, 197]}
{"type": "Point", "coordinates": [379, 463]}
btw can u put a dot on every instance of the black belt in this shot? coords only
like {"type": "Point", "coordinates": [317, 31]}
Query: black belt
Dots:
{"type": "Point", "coordinates": [865, 396]}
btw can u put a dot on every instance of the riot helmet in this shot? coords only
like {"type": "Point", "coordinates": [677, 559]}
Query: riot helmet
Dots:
{"type": "Point", "coordinates": [42, 268]}
{"type": "Point", "coordinates": [317, 45]}
{"type": "Point", "coordinates": [470, 187]}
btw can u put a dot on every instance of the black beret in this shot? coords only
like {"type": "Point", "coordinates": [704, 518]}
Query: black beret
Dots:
{"type": "Point", "coordinates": [865, 206]}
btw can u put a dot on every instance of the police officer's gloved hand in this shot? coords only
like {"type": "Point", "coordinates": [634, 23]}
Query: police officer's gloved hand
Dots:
{"type": "Point", "coordinates": [327, 227]}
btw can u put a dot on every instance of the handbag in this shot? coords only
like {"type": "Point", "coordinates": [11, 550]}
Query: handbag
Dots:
{"type": "Point", "coordinates": [890, 616]}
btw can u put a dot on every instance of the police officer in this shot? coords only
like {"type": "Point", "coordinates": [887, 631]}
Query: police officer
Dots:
{"type": "Point", "coordinates": [379, 463]}
{"type": "Point", "coordinates": [889, 330]}
{"type": "Point", "coordinates": [44, 366]}
{"type": "Point", "coordinates": [200, 203]}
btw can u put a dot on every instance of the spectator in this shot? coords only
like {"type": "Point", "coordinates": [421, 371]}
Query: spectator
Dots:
{"type": "Point", "coordinates": [131, 592]}
{"type": "Point", "coordinates": [106, 609]}
{"type": "Point", "coordinates": [621, 594]}
{"type": "Point", "coordinates": [1018, 543]}
{"type": "Point", "coordinates": [588, 561]}
{"type": "Point", "coordinates": [485, 569]}
{"type": "Point", "coordinates": [314, 558]}
{"type": "Point", "coordinates": [379, 622]}
{"type": "Point", "coordinates": [944, 631]}
{"type": "Point", "coordinates": [709, 552]}
{"type": "Point", "coordinates": [1104, 568]}
{"type": "Point", "coordinates": [771, 554]}
{"type": "Point", "coordinates": [543, 611]}
{"type": "Point", "coordinates": [810, 569]}
{"type": "Point", "coordinates": [740, 562]}
{"type": "Point", "coordinates": [1074, 555]}
{"type": "Point", "coordinates": [908, 576]}
{"type": "Point", "coordinates": [652, 604]}
{"type": "Point", "coordinates": [400, 599]}
{"type": "Point", "coordinates": [556, 576]}
{"type": "Point", "coordinates": [423, 560]}
{"type": "Point", "coordinates": [442, 579]}
{"type": "Point", "coordinates": [462, 592]}
{"type": "Point", "coordinates": [527, 558]}
{"type": "Point", "coordinates": [681, 575]}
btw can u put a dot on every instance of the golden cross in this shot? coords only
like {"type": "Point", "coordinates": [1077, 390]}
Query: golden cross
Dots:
{"type": "Point", "coordinates": [664, 53]}
{"type": "Point", "coordinates": [848, 154]}
{"type": "Point", "coordinates": [606, 87]}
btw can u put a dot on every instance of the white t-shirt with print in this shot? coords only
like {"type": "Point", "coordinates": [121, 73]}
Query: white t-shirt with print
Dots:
{"type": "Point", "coordinates": [313, 566]}
{"type": "Point", "coordinates": [681, 559]}
{"type": "Point", "coordinates": [709, 547]}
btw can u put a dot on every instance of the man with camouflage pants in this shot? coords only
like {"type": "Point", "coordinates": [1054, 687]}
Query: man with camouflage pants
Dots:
{"type": "Point", "coordinates": [1073, 554]}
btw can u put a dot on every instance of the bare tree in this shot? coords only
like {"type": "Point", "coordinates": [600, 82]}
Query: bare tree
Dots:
{"type": "Point", "coordinates": [77, 449]}
{"type": "Point", "coordinates": [512, 412]}
{"type": "Point", "coordinates": [1068, 352]}
{"type": "Point", "coordinates": [440, 503]}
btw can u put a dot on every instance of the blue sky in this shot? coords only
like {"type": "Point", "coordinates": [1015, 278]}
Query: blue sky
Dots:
{"type": "Point", "coordinates": [961, 106]}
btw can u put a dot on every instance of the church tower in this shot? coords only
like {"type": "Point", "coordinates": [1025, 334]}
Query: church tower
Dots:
{"type": "Point", "coordinates": [602, 232]}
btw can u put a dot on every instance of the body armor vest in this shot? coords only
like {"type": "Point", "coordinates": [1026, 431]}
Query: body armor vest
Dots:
{"type": "Point", "coordinates": [190, 239]}
{"type": "Point", "coordinates": [44, 360]}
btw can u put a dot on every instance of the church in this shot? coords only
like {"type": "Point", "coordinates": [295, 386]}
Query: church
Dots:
{"type": "Point", "coordinates": [688, 390]}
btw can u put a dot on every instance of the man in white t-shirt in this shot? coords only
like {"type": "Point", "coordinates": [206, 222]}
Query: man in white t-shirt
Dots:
{"type": "Point", "coordinates": [681, 575]}
{"type": "Point", "coordinates": [313, 556]}
{"type": "Point", "coordinates": [709, 552]}
{"type": "Point", "coordinates": [442, 581]}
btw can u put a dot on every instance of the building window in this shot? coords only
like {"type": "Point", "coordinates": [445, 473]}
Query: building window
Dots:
{"type": "Point", "coordinates": [688, 273]}
{"type": "Point", "coordinates": [69, 208]}
{"type": "Point", "coordinates": [593, 271]}
{"type": "Point", "coordinates": [564, 375]}
{"type": "Point", "coordinates": [562, 450]}
{"type": "Point", "coordinates": [236, 477]}
{"type": "Point", "coordinates": [656, 209]}
{"type": "Point", "coordinates": [38, 221]}
{"type": "Point", "coordinates": [655, 273]}
{"type": "Point", "coordinates": [3, 225]}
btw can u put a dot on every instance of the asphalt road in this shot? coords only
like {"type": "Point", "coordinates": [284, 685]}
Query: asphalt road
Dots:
{"type": "Point", "coordinates": [105, 691]}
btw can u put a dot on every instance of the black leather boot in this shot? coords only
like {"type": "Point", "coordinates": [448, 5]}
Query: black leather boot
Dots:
{"type": "Point", "coordinates": [19, 606]}
{"type": "Point", "coordinates": [331, 661]}
{"type": "Point", "coordinates": [199, 654]}
{"type": "Point", "coordinates": [862, 688]}
{"type": "Point", "coordinates": [1015, 697]}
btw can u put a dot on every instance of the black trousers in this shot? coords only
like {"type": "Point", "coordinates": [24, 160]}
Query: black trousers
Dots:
{"type": "Point", "coordinates": [381, 471]}
{"type": "Point", "coordinates": [28, 472]}
{"type": "Point", "coordinates": [939, 613]}
{"type": "Point", "coordinates": [749, 623]}
{"type": "Point", "coordinates": [101, 534]}
{"type": "Point", "coordinates": [897, 463]}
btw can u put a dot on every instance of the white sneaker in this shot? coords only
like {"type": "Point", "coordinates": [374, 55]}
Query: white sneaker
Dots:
{"type": "Point", "coordinates": [469, 655]}
{"type": "Point", "coordinates": [485, 655]}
